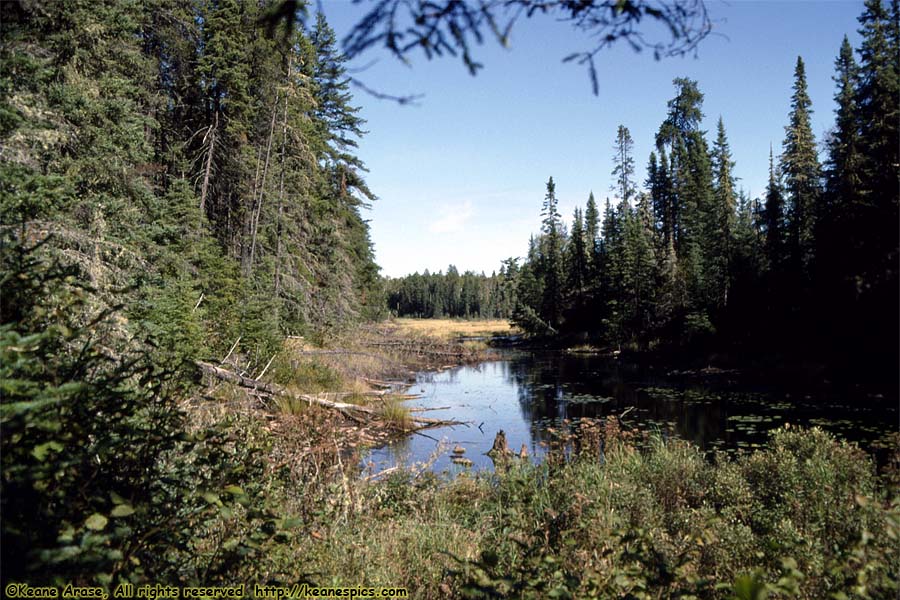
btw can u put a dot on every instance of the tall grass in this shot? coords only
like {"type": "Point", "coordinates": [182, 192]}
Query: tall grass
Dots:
{"type": "Point", "coordinates": [396, 413]}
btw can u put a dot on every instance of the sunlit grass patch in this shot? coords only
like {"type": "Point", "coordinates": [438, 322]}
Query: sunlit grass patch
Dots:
{"type": "Point", "coordinates": [454, 328]}
{"type": "Point", "coordinates": [396, 413]}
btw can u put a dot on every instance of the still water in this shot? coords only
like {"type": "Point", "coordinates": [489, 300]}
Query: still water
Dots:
{"type": "Point", "coordinates": [524, 394]}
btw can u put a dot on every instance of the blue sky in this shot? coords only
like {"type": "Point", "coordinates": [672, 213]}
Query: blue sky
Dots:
{"type": "Point", "coordinates": [461, 176]}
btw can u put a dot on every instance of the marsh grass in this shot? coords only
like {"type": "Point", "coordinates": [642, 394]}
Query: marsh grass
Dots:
{"type": "Point", "coordinates": [396, 413]}
{"type": "Point", "coordinates": [455, 328]}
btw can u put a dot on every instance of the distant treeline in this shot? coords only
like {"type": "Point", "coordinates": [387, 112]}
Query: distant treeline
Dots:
{"type": "Point", "coordinates": [808, 270]}
{"type": "Point", "coordinates": [469, 295]}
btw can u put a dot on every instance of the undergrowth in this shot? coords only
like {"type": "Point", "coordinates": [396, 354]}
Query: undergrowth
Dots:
{"type": "Point", "coordinates": [804, 518]}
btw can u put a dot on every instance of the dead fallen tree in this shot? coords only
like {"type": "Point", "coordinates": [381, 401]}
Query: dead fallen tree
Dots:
{"type": "Point", "coordinates": [354, 411]}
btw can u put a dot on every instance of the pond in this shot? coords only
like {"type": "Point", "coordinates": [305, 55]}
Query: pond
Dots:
{"type": "Point", "coordinates": [525, 393]}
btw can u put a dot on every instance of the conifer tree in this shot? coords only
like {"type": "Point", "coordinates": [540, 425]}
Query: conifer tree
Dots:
{"type": "Point", "coordinates": [552, 267]}
{"type": "Point", "coordinates": [844, 175]}
{"type": "Point", "coordinates": [623, 169]}
{"type": "Point", "coordinates": [802, 173]}
{"type": "Point", "coordinates": [577, 260]}
{"type": "Point", "coordinates": [592, 237]}
{"type": "Point", "coordinates": [773, 219]}
{"type": "Point", "coordinates": [612, 278]}
{"type": "Point", "coordinates": [877, 100]}
{"type": "Point", "coordinates": [686, 209]}
{"type": "Point", "coordinates": [840, 230]}
{"type": "Point", "coordinates": [341, 125]}
{"type": "Point", "coordinates": [640, 276]}
{"type": "Point", "coordinates": [721, 219]}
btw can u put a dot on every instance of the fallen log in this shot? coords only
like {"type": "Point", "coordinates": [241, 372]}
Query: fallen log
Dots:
{"type": "Point", "coordinates": [232, 377]}
{"type": "Point", "coordinates": [277, 390]}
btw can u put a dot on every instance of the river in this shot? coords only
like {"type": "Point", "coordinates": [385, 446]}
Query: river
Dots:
{"type": "Point", "coordinates": [525, 393]}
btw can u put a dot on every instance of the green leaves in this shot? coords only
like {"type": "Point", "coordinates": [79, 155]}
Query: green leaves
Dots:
{"type": "Point", "coordinates": [234, 490]}
{"type": "Point", "coordinates": [96, 522]}
{"type": "Point", "coordinates": [122, 510]}
{"type": "Point", "coordinates": [41, 451]}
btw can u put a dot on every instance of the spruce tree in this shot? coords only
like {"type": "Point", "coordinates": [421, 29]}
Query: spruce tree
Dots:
{"type": "Point", "coordinates": [612, 271]}
{"type": "Point", "coordinates": [592, 237]}
{"type": "Point", "coordinates": [840, 230]}
{"type": "Point", "coordinates": [802, 177]}
{"type": "Point", "coordinates": [341, 125]}
{"type": "Point", "coordinates": [844, 176]}
{"type": "Point", "coordinates": [687, 207]}
{"type": "Point", "coordinates": [773, 219]}
{"type": "Point", "coordinates": [877, 100]}
{"type": "Point", "coordinates": [552, 267]}
{"type": "Point", "coordinates": [721, 219]}
{"type": "Point", "coordinates": [623, 169]}
{"type": "Point", "coordinates": [660, 186]}
{"type": "Point", "coordinates": [639, 281]}
{"type": "Point", "coordinates": [577, 260]}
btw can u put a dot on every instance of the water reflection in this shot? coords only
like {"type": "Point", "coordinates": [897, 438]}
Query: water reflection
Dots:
{"type": "Point", "coordinates": [526, 393]}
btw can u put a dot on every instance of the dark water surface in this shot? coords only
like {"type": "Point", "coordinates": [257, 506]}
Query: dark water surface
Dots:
{"type": "Point", "coordinates": [526, 393]}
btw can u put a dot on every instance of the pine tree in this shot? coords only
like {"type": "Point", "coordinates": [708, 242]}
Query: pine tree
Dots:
{"type": "Point", "coordinates": [802, 173]}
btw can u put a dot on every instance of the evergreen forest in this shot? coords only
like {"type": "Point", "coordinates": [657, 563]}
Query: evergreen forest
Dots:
{"type": "Point", "coordinates": [686, 259]}
{"type": "Point", "coordinates": [451, 294]}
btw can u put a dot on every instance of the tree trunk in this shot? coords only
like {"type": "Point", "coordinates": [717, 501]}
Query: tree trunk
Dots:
{"type": "Point", "coordinates": [204, 189]}
{"type": "Point", "coordinates": [281, 198]}
{"type": "Point", "coordinates": [262, 188]}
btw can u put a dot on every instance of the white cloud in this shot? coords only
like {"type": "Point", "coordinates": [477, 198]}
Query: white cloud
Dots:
{"type": "Point", "coordinates": [452, 218]}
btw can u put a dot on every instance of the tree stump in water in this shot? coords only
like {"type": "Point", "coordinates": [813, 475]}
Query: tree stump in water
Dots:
{"type": "Point", "coordinates": [500, 452]}
{"type": "Point", "coordinates": [500, 444]}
